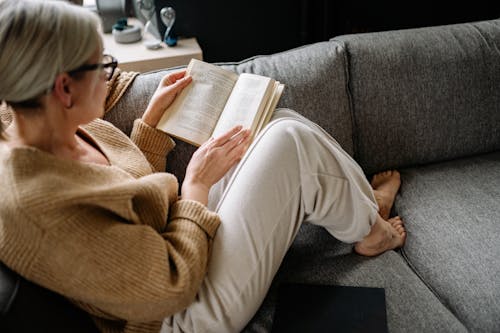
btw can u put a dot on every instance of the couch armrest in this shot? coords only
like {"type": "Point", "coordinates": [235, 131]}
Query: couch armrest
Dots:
{"type": "Point", "coordinates": [27, 307]}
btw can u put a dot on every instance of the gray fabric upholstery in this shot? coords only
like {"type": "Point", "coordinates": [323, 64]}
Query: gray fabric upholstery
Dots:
{"type": "Point", "coordinates": [452, 214]}
{"type": "Point", "coordinates": [315, 81]}
{"type": "Point", "coordinates": [424, 95]}
{"type": "Point", "coordinates": [316, 258]}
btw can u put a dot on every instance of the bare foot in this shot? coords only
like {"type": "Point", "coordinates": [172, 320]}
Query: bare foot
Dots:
{"type": "Point", "coordinates": [384, 236]}
{"type": "Point", "coordinates": [385, 187]}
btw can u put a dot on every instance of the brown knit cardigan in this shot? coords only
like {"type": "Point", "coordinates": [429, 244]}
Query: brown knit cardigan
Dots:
{"type": "Point", "coordinates": [115, 240]}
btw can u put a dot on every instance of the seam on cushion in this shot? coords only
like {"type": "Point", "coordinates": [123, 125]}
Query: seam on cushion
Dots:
{"type": "Point", "coordinates": [405, 257]}
{"type": "Point", "coordinates": [346, 66]}
{"type": "Point", "coordinates": [412, 267]}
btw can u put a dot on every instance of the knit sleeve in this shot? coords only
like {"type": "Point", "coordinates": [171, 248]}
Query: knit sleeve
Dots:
{"type": "Point", "coordinates": [154, 143]}
{"type": "Point", "coordinates": [195, 212]}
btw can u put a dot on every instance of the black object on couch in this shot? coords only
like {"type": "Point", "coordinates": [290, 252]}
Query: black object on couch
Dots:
{"type": "Point", "coordinates": [27, 307]}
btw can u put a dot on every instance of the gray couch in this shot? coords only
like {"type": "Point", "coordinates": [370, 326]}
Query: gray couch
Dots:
{"type": "Point", "coordinates": [426, 102]}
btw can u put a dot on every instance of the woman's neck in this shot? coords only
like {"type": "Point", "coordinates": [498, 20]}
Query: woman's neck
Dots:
{"type": "Point", "coordinates": [47, 131]}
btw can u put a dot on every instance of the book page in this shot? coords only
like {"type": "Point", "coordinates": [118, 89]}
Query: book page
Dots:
{"type": "Point", "coordinates": [246, 103]}
{"type": "Point", "coordinates": [194, 113]}
{"type": "Point", "coordinates": [270, 106]}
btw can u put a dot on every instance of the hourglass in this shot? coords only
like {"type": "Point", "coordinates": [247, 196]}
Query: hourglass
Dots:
{"type": "Point", "coordinates": [167, 15]}
{"type": "Point", "coordinates": [148, 11]}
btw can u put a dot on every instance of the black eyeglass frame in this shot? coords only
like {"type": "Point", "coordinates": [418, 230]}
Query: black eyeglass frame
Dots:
{"type": "Point", "coordinates": [113, 63]}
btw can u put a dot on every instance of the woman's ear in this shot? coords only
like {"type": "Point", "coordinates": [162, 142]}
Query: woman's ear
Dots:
{"type": "Point", "coordinates": [62, 90]}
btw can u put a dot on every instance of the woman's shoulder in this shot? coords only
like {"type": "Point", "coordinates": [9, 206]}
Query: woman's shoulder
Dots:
{"type": "Point", "coordinates": [104, 130]}
{"type": "Point", "coordinates": [98, 125]}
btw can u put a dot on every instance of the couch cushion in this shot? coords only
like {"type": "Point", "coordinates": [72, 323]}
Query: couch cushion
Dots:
{"type": "Point", "coordinates": [424, 95]}
{"type": "Point", "coordinates": [315, 85]}
{"type": "Point", "coordinates": [452, 214]}
{"type": "Point", "coordinates": [316, 258]}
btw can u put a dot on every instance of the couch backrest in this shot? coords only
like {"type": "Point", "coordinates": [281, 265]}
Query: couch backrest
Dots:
{"type": "Point", "coordinates": [424, 95]}
{"type": "Point", "coordinates": [315, 86]}
{"type": "Point", "coordinates": [392, 99]}
{"type": "Point", "coordinates": [315, 78]}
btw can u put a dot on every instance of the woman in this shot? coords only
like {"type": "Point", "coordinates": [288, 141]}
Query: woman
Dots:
{"type": "Point", "coordinates": [87, 212]}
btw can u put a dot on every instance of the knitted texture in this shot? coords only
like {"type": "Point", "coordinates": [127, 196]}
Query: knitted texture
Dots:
{"type": "Point", "coordinates": [117, 87]}
{"type": "Point", "coordinates": [5, 113]}
{"type": "Point", "coordinates": [153, 145]}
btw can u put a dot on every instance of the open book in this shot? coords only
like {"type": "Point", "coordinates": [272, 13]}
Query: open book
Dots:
{"type": "Point", "coordinates": [217, 100]}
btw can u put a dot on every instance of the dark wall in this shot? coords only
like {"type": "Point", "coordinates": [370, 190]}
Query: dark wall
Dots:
{"type": "Point", "coordinates": [231, 30]}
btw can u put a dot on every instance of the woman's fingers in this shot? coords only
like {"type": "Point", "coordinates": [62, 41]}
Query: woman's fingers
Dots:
{"type": "Point", "coordinates": [176, 87]}
{"type": "Point", "coordinates": [173, 77]}
{"type": "Point", "coordinates": [215, 157]}
{"type": "Point", "coordinates": [224, 138]}
{"type": "Point", "coordinates": [234, 138]}
{"type": "Point", "coordinates": [230, 146]}
{"type": "Point", "coordinates": [237, 140]}
{"type": "Point", "coordinates": [170, 86]}
{"type": "Point", "coordinates": [182, 83]}
{"type": "Point", "coordinates": [233, 150]}
{"type": "Point", "coordinates": [238, 150]}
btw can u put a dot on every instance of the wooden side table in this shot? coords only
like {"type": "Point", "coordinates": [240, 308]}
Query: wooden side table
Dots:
{"type": "Point", "coordinates": [136, 57]}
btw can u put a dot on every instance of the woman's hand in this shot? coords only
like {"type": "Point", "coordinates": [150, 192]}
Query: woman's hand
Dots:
{"type": "Point", "coordinates": [211, 161]}
{"type": "Point", "coordinates": [170, 86]}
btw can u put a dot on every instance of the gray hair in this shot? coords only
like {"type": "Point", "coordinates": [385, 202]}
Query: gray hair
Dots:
{"type": "Point", "coordinates": [39, 40]}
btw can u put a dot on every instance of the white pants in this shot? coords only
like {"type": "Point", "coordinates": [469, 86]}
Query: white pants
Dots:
{"type": "Point", "coordinates": [294, 172]}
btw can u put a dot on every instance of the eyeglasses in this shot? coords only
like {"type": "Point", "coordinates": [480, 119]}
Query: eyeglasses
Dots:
{"type": "Point", "coordinates": [108, 65]}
